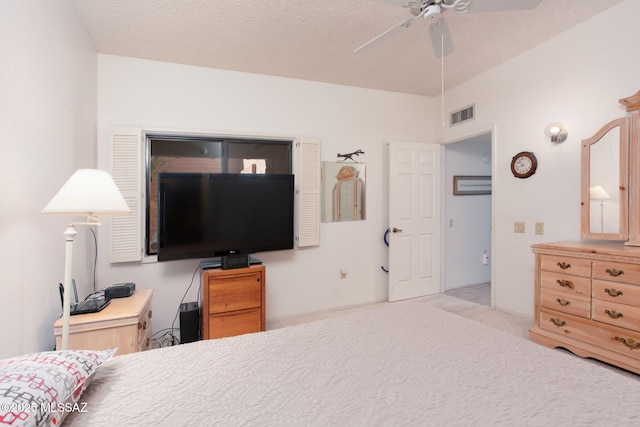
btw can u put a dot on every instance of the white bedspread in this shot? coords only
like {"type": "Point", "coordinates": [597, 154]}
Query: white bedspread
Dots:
{"type": "Point", "coordinates": [397, 364]}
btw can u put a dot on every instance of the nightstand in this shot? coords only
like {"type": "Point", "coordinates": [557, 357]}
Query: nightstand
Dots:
{"type": "Point", "coordinates": [125, 323]}
{"type": "Point", "coordinates": [233, 302]}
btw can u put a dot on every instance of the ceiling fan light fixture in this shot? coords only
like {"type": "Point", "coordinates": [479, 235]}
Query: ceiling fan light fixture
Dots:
{"type": "Point", "coordinates": [432, 12]}
{"type": "Point", "coordinates": [434, 17]}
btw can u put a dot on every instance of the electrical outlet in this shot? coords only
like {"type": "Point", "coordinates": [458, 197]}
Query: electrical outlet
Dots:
{"type": "Point", "coordinates": [518, 227]}
{"type": "Point", "coordinates": [540, 228]}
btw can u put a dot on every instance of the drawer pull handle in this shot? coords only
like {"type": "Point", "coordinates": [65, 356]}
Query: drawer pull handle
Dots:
{"type": "Point", "coordinates": [143, 325]}
{"type": "Point", "coordinates": [563, 302]}
{"type": "Point", "coordinates": [629, 342]}
{"type": "Point", "coordinates": [613, 292]}
{"type": "Point", "coordinates": [565, 283]}
{"type": "Point", "coordinates": [564, 265]}
{"type": "Point", "coordinates": [613, 314]}
{"type": "Point", "coordinates": [150, 314]}
{"type": "Point", "coordinates": [614, 272]}
{"type": "Point", "coordinates": [557, 322]}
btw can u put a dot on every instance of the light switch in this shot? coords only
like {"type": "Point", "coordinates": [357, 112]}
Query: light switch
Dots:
{"type": "Point", "coordinates": [518, 227]}
{"type": "Point", "coordinates": [539, 227]}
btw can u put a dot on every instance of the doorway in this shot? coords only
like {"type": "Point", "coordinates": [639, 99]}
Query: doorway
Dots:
{"type": "Point", "coordinates": [467, 222]}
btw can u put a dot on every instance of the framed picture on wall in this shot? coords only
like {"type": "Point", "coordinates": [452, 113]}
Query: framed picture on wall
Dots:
{"type": "Point", "coordinates": [468, 185]}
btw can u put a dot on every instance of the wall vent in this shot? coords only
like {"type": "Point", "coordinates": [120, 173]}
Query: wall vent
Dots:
{"type": "Point", "coordinates": [463, 115]}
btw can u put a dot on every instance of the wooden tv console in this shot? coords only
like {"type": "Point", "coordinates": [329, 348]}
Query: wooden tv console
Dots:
{"type": "Point", "coordinates": [587, 300]}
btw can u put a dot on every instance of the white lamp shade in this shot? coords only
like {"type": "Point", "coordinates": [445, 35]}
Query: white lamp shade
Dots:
{"type": "Point", "coordinates": [598, 193]}
{"type": "Point", "coordinates": [89, 192]}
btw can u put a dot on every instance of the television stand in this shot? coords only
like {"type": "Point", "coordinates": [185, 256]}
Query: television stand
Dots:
{"type": "Point", "coordinates": [233, 302]}
{"type": "Point", "coordinates": [216, 262]}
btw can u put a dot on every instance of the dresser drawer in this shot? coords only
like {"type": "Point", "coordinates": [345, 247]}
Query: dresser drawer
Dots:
{"type": "Point", "coordinates": [566, 302]}
{"type": "Point", "coordinates": [236, 293]}
{"type": "Point", "coordinates": [235, 323]}
{"type": "Point", "coordinates": [616, 292]}
{"type": "Point", "coordinates": [613, 313]}
{"type": "Point", "coordinates": [616, 271]}
{"type": "Point", "coordinates": [566, 265]}
{"type": "Point", "coordinates": [564, 324]}
{"type": "Point", "coordinates": [144, 331]}
{"type": "Point", "coordinates": [566, 282]}
{"type": "Point", "coordinates": [608, 337]}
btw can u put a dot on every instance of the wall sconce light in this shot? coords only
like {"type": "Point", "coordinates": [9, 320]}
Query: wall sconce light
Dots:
{"type": "Point", "coordinates": [556, 131]}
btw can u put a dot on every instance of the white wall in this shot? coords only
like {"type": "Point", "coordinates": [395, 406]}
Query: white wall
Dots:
{"type": "Point", "coordinates": [467, 219]}
{"type": "Point", "coordinates": [151, 94]}
{"type": "Point", "coordinates": [48, 123]}
{"type": "Point", "coordinates": [576, 78]}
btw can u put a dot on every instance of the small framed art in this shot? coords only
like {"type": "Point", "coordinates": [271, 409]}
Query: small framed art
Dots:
{"type": "Point", "coordinates": [464, 185]}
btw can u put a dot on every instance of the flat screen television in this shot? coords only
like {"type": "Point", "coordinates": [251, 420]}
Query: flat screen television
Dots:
{"type": "Point", "coordinates": [205, 215]}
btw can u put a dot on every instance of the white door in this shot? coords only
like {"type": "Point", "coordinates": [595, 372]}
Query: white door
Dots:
{"type": "Point", "coordinates": [414, 220]}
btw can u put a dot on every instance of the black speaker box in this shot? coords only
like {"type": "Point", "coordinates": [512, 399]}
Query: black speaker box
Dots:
{"type": "Point", "coordinates": [235, 261]}
{"type": "Point", "coordinates": [189, 322]}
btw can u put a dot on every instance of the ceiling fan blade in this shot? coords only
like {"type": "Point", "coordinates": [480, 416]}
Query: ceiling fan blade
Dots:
{"type": "Point", "coordinates": [441, 38]}
{"type": "Point", "coordinates": [502, 5]}
{"type": "Point", "coordinates": [403, 3]}
{"type": "Point", "coordinates": [390, 32]}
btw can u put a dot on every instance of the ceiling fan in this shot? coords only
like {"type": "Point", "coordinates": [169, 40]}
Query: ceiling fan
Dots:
{"type": "Point", "coordinates": [433, 10]}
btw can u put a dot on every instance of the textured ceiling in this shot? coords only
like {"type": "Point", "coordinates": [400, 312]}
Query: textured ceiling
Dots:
{"type": "Point", "coordinates": [314, 39]}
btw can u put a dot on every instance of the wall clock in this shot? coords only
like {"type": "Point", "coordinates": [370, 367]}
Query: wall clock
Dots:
{"type": "Point", "coordinates": [524, 164]}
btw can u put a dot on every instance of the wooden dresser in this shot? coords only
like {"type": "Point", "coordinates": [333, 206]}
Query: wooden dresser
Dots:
{"type": "Point", "coordinates": [125, 323]}
{"type": "Point", "coordinates": [587, 300]}
{"type": "Point", "coordinates": [233, 301]}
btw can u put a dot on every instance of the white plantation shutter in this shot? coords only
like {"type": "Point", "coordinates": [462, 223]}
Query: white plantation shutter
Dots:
{"type": "Point", "coordinates": [126, 235]}
{"type": "Point", "coordinates": [307, 193]}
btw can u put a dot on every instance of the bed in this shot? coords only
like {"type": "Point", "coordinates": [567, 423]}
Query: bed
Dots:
{"type": "Point", "coordinates": [393, 364]}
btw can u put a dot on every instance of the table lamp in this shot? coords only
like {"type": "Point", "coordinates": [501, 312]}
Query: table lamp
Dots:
{"type": "Point", "coordinates": [598, 193]}
{"type": "Point", "coordinates": [90, 193]}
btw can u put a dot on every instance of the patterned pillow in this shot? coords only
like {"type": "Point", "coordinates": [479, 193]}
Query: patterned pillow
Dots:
{"type": "Point", "coordinates": [40, 389]}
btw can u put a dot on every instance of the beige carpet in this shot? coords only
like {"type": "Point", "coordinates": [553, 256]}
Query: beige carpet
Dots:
{"type": "Point", "coordinates": [507, 322]}
{"type": "Point", "coordinates": [510, 323]}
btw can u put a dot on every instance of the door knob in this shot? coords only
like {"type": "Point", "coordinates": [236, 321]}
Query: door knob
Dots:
{"type": "Point", "coordinates": [396, 230]}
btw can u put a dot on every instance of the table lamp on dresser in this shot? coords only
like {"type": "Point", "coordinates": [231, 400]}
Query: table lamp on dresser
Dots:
{"type": "Point", "coordinates": [91, 193]}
